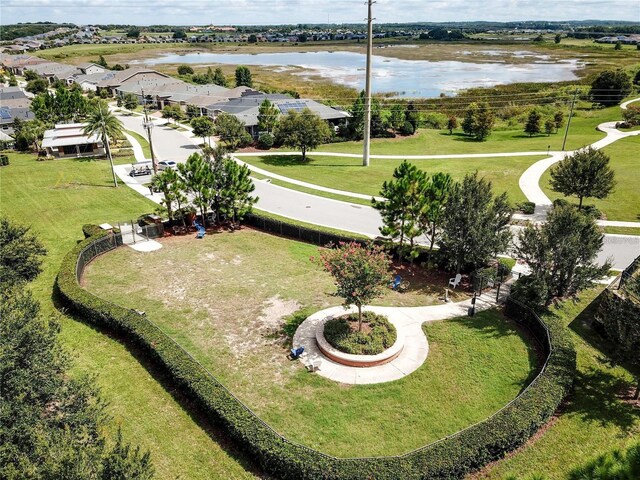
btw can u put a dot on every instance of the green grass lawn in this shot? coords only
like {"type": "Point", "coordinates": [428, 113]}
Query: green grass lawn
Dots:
{"type": "Point", "coordinates": [593, 421]}
{"type": "Point", "coordinates": [438, 142]}
{"type": "Point", "coordinates": [348, 173]}
{"type": "Point", "coordinates": [57, 197]}
{"type": "Point", "coordinates": [224, 301]}
{"type": "Point", "coordinates": [624, 203]}
{"type": "Point", "coordinates": [144, 143]}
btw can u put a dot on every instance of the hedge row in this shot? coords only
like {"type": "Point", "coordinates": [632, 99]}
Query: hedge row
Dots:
{"type": "Point", "coordinates": [450, 458]}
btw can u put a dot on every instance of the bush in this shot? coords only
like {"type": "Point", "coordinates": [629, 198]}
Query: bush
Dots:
{"type": "Point", "coordinates": [265, 141]}
{"type": "Point", "coordinates": [449, 458]}
{"type": "Point", "coordinates": [407, 129]}
{"type": "Point", "coordinates": [340, 334]}
{"type": "Point", "coordinates": [528, 208]}
{"type": "Point", "coordinates": [437, 121]}
{"type": "Point", "coordinates": [91, 230]}
{"type": "Point", "coordinates": [4, 160]}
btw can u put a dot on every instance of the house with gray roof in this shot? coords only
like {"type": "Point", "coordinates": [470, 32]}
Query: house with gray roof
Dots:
{"type": "Point", "coordinates": [52, 71]}
{"type": "Point", "coordinates": [14, 104]}
{"type": "Point", "coordinates": [246, 109]}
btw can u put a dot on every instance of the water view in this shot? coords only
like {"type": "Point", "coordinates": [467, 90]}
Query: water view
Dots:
{"type": "Point", "coordinates": [405, 78]}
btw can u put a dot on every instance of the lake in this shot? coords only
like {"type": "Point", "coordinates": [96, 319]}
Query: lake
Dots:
{"type": "Point", "coordinates": [403, 78]}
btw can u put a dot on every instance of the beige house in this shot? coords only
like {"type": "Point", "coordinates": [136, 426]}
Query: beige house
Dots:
{"type": "Point", "coordinates": [69, 140]}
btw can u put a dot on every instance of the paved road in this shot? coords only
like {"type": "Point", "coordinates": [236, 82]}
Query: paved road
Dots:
{"type": "Point", "coordinates": [168, 144]}
{"type": "Point", "coordinates": [175, 145]}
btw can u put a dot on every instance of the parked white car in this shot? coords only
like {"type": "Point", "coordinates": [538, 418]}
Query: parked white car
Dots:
{"type": "Point", "coordinates": [164, 164]}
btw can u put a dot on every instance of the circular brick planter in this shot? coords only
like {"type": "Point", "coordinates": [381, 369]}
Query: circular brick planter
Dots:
{"type": "Point", "coordinates": [359, 360]}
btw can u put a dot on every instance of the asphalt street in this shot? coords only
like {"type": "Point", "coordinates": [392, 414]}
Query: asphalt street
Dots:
{"type": "Point", "coordinates": [170, 144]}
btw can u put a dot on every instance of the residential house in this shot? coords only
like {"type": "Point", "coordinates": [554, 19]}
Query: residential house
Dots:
{"type": "Point", "coordinates": [246, 108]}
{"type": "Point", "coordinates": [14, 104]}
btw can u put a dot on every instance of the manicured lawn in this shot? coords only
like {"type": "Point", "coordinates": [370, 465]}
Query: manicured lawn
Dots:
{"type": "Point", "coordinates": [144, 143]}
{"type": "Point", "coordinates": [624, 203]}
{"type": "Point", "coordinates": [593, 421]}
{"type": "Point", "coordinates": [225, 299]}
{"type": "Point", "coordinates": [439, 142]}
{"type": "Point", "coordinates": [349, 175]}
{"type": "Point", "coordinates": [56, 197]}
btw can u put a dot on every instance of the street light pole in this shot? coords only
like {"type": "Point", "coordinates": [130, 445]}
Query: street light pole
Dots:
{"type": "Point", "coordinates": [566, 132]}
{"type": "Point", "coordinates": [367, 101]}
{"type": "Point", "coordinates": [148, 126]}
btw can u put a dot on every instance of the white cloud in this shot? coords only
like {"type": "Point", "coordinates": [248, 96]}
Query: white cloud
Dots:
{"type": "Point", "coordinates": [255, 12]}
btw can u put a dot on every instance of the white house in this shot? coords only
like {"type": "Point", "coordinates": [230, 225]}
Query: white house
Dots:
{"type": "Point", "coordinates": [69, 140]}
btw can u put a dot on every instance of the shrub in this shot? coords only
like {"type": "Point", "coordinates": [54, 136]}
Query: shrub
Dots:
{"type": "Point", "coordinates": [91, 230]}
{"type": "Point", "coordinates": [4, 160]}
{"type": "Point", "coordinates": [340, 334]}
{"type": "Point", "coordinates": [436, 121]}
{"type": "Point", "coordinates": [265, 141]}
{"type": "Point", "coordinates": [407, 128]}
{"type": "Point", "coordinates": [528, 208]}
{"type": "Point", "coordinates": [452, 457]}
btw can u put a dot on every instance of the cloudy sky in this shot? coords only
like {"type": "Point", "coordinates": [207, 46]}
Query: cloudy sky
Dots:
{"type": "Point", "coordinates": [254, 12]}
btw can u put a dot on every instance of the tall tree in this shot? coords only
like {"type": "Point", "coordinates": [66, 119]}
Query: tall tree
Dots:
{"type": "Point", "coordinates": [475, 225]}
{"type": "Point", "coordinates": [234, 188]}
{"type": "Point", "coordinates": [484, 122]}
{"type": "Point", "coordinates": [558, 120]}
{"type": "Point", "coordinates": [20, 254]}
{"type": "Point", "coordinates": [561, 254]}
{"type": "Point", "coordinates": [52, 423]}
{"type": "Point", "coordinates": [452, 124]}
{"type": "Point", "coordinates": [243, 77]}
{"type": "Point", "coordinates": [219, 78]}
{"type": "Point", "coordinates": [402, 207]}
{"type": "Point", "coordinates": [610, 87]}
{"type": "Point", "coordinates": [173, 112]}
{"type": "Point", "coordinates": [198, 179]}
{"type": "Point", "coordinates": [105, 125]}
{"type": "Point", "coordinates": [232, 131]}
{"type": "Point", "coordinates": [533, 123]}
{"type": "Point", "coordinates": [584, 174]}
{"type": "Point", "coordinates": [170, 184]}
{"type": "Point", "coordinates": [303, 131]}
{"type": "Point", "coordinates": [361, 273]}
{"type": "Point", "coordinates": [203, 127]}
{"type": "Point", "coordinates": [436, 195]}
{"type": "Point", "coordinates": [268, 115]}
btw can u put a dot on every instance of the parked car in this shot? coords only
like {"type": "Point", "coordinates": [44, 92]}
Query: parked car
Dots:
{"type": "Point", "coordinates": [164, 164]}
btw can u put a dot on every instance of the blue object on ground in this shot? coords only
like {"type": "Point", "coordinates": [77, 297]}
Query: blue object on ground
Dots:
{"type": "Point", "coordinates": [296, 352]}
{"type": "Point", "coordinates": [396, 282]}
{"type": "Point", "coordinates": [201, 231]}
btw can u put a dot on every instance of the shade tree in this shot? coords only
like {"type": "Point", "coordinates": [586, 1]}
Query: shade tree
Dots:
{"type": "Point", "coordinates": [475, 224]}
{"type": "Point", "coordinates": [585, 174]}
{"type": "Point", "coordinates": [303, 131]}
{"type": "Point", "coordinates": [561, 254]}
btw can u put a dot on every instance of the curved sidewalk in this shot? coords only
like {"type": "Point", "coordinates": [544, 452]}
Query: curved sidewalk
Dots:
{"type": "Point", "coordinates": [408, 322]}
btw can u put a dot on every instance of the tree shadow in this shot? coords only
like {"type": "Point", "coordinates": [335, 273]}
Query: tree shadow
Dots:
{"type": "Point", "coordinates": [204, 421]}
{"type": "Point", "coordinates": [285, 160]}
{"type": "Point", "coordinates": [596, 399]}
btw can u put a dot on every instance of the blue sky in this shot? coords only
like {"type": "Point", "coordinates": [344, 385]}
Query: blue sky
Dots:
{"type": "Point", "coordinates": [254, 12]}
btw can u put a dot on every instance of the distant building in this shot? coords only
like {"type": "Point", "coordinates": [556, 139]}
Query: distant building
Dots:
{"type": "Point", "coordinates": [69, 140]}
{"type": "Point", "coordinates": [14, 104]}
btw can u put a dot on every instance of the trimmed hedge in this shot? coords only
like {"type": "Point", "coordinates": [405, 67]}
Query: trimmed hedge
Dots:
{"type": "Point", "coordinates": [449, 458]}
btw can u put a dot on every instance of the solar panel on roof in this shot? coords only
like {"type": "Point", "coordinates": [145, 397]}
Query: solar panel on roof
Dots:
{"type": "Point", "coordinates": [5, 114]}
{"type": "Point", "coordinates": [295, 106]}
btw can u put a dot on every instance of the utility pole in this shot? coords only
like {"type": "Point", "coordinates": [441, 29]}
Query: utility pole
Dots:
{"type": "Point", "coordinates": [148, 125]}
{"type": "Point", "coordinates": [566, 132]}
{"type": "Point", "coordinates": [367, 101]}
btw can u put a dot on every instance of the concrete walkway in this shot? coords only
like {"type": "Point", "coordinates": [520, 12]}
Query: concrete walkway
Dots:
{"type": "Point", "coordinates": [530, 180]}
{"type": "Point", "coordinates": [408, 322]}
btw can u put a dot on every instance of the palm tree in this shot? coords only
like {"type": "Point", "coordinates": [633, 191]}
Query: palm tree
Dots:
{"type": "Point", "coordinates": [104, 123]}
